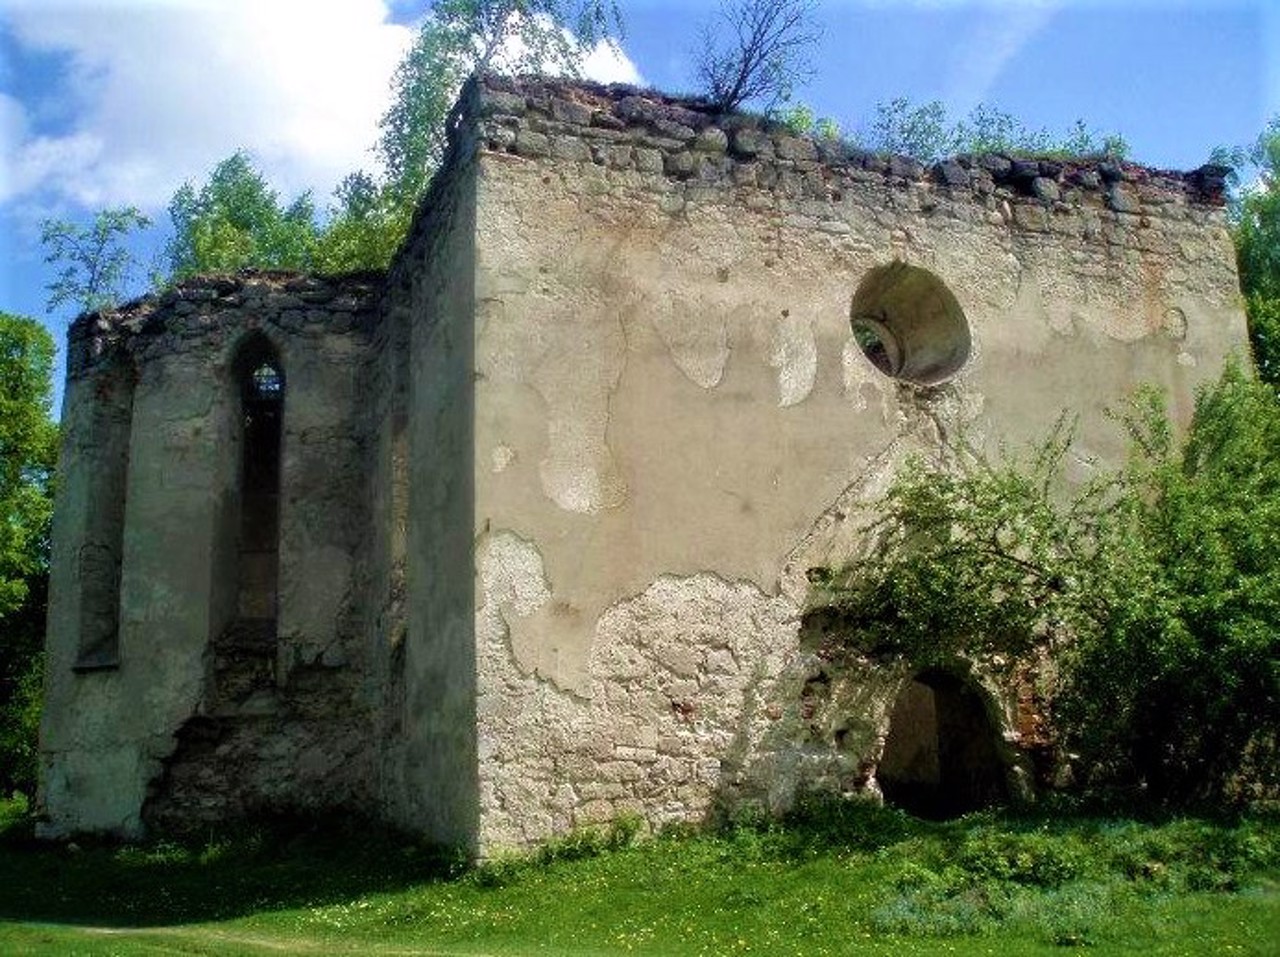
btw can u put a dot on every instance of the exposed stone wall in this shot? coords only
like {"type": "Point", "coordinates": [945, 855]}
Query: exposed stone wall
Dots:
{"type": "Point", "coordinates": [674, 419]}
{"type": "Point", "coordinates": [171, 731]}
{"type": "Point", "coordinates": [550, 488]}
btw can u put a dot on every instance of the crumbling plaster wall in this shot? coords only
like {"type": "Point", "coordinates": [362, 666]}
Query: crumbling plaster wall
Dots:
{"type": "Point", "coordinates": [551, 490]}
{"type": "Point", "coordinates": [432, 781]}
{"type": "Point", "coordinates": [673, 421]}
{"type": "Point", "coordinates": [113, 737]}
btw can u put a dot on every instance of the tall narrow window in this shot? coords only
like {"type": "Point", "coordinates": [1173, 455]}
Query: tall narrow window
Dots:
{"type": "Point", "coordinates": [262, 408]}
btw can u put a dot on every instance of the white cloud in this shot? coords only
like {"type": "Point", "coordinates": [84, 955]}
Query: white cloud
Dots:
{"type": "Point", "coordinates": [161, 91]}
{"type": "Point", "coordinates": [999, 35]}
{"type": "Point", "coordinates": [606, 63]}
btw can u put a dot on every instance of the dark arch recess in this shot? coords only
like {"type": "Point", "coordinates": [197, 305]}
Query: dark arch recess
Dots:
{"type": "Point", "coordinates": [909, 325]}
{"type": "Point", "coordinates": [941, 757]}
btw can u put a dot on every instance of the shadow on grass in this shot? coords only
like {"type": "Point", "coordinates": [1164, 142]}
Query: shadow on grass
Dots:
{"type": "Point", "coordinates": [278, 864]}
{"type": "Point", "coordinates": [270, 864]}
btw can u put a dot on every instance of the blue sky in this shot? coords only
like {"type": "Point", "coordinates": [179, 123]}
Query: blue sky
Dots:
{"type": "Point", "coordinates": [113, 102]}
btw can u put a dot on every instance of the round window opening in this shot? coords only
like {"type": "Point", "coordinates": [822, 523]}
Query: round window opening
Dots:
{"type": "Point", "coordinates": [909, 325]}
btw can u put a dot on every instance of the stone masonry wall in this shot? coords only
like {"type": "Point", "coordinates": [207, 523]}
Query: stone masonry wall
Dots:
{"type": "Point", "coordinates": [674, 420]}
{"type": "Point", "coordinates": [551, 487]}
{"type": "Point", "coordinates": [195, 720]}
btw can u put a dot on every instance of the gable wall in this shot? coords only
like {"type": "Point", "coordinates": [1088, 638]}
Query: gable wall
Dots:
{"type": "Point", "coordinates": [673, 421]}
{"type": "Point", "coordinates": [178, 727]}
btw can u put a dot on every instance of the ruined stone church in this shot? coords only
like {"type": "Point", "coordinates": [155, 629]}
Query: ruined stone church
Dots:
{"type": "Point", "coordinates": [514, 537]}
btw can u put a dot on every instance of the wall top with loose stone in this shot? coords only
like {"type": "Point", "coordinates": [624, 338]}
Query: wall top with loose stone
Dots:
{"type": "Point", "coordinates": [667, 140]}
{"type": "Point", "coordinates": [622, 127]}
{"type": "Point", "coordinates": [295, 303]}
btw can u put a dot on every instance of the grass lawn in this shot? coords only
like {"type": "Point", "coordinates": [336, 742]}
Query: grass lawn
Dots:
{"type": "Point", "coordinates": [839, 879]}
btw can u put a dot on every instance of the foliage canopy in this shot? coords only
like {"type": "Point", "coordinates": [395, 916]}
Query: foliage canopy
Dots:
{"type": "Point", "coordinates": [460, 36]}
{"type": "Point", "coordinates": [28, 441]}
{"type": "Point", "coordinates": [372, 213]}
{"type": "Point", "coordinates": [1255, 214]}
{"type": "Point", "coordinates": [93, 263]}
{"type": "Point", "coordinates": [236, 220]}
{"type": "Point", "coordinates": [1158, 586]}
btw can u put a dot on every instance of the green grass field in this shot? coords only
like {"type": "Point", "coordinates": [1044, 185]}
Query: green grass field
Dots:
{"type": "Point", "coordinates": [839, 879]}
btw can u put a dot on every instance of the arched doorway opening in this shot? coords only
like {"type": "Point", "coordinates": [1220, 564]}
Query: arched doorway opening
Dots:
{"type": "Point", "coordinates": [941, 757]}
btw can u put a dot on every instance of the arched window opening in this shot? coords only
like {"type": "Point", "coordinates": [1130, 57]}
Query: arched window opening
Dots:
{"type": "Point", "coordinates": [940, 758]}
{"type": "Point", "coordinates": [262, 389]}
{"type": "Point", "coordinates": [909, 325]}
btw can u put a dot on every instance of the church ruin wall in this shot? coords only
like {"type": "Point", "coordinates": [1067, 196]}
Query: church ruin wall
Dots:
{"type": "Point", "coordinates": [675, 419]}
{"type": "Point", "coordinates": [199, 711]}
{"type": "Point", "coordinates": [549, 489]}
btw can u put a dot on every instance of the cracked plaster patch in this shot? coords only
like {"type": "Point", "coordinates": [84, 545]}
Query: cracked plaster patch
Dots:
{"type": "Point", "coordinates": [512, 579]}
{"type": "Point", "coordinates": [503, 456]}
{"type": "Point", "coordinates": [517, 611]}
{"type": "Point", "coordinates": [695, 334]}
{"type": "Point", "coordinates": [794, 353]}
{"type": "Point", "coordinates": [573, 360]}
{"type": "Point", "coordinates": [576, 376]}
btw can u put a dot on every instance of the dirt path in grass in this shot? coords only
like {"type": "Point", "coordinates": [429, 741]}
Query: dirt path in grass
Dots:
{"type": "Point", "coordinates": [220, 939]}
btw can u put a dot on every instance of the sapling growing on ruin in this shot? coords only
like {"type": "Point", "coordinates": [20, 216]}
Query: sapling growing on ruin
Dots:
{"type": "Point", "coordinates": [756, 51]}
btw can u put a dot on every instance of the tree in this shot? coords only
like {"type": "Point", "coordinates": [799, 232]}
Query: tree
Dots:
{"type": "Point", "coordinates": [1157, 588]}
{"type": "Point", "coordinates": [28, 440]}
{"type": "Point", "coordinates": [1179, 692]}
{"type": "Point", "coordinates": [461, 36]}
{"type": "Point", "coordinates": [1264, 336]}
{"type": "Point", "coordinates": [1255, 216]}
{"type": "Point", "coordinates": [372, 214]}
{"type": "Point", "coordinates": [95, 266]}
{"type": "Point", "coordinates": [756, 51]}
{"type": "Point", "coordinates": [236, 220]}
{"type": "Point", "coordinates": [364, 230]}
{"type": "Point", "coordinates": [27, 448]}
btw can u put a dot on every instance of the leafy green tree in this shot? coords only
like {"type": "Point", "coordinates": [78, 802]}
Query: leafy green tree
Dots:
{"type": "Point", "coordinates": [1179, 690]}
{"type": "Point", "coordinates": [1255, 214]}
{"type": "Point", "coordinates": [461, 36]}
{"type": "Point", "coordinates": [515, 36]}
{"type": "Point", "coordinates": [364, 230]}
{"type": "Point", "coordinates": [236, 220]}
{"type": "Point", "coordinates": [94, 265]}
{"type": "Point", "coordinates": [28, 441]}
{"type": "Point", "coordinates": [1258, 218]}
{"type": "Point", "coordinates": [1158, 587]}
{"type": "Point", "coordinates": [1264, 335]}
